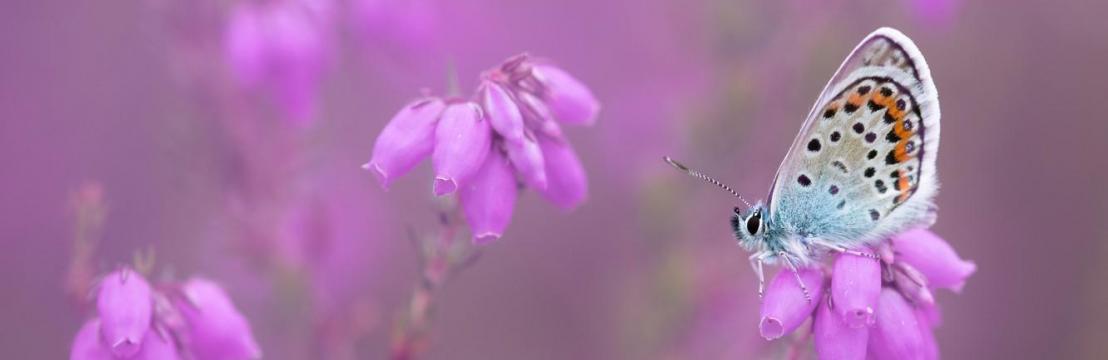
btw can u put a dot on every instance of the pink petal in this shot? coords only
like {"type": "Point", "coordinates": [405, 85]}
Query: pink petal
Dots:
{"type": "Point", "coordinates": [462, 141]}
{"type": "Point", "coordinates": [126, 308]}
{"type": "Point", "coordinates": [912, 284]}
{"type": "Point", "coordinates": [157, 347]}
{"type": "Point", "coordinates": [244, 43]}
{"type": "Point", "coordinates": [896, 333]}
{"type": "Point", "coordinates": [407, 139]}
{"type": "Point", "coordinates": [526, 156]}
{"type": "Point", "coordinates": [570, 101]}
{"type": "Point", "coordinates": [855, 285]}
{"type": "Point", "coordinates": [215, 328]}
{"type": "Point", "coordinates": [934, 258]}
{"type": "Point", "coordinates": [87, 345]}
{"type": "Point", "coordinates": [488, 198]}
{"type": "Point", "coordinates": [834, 338]}
{"type": "Point", "coordinates": [566, 185]}
{"type": "Point", "coordinates": [502, 111]}
{"type": "Point", "coordinates": [784, 307]}
{"type": "Point", "coordinates": [929, 346]}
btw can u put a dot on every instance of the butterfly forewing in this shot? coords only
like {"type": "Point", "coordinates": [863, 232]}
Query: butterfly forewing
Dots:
{"type": "Point", "coordinates": [862, 166]}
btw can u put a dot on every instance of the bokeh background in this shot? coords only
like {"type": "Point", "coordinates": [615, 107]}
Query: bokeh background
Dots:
{"type": "Point", "coordinates": [136, 98]}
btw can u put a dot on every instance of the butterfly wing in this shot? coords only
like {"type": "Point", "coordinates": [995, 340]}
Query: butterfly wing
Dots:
{"type": "Point", "coordinates": [863, 165]}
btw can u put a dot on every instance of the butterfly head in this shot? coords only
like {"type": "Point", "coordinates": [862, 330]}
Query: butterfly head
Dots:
{"type": "Point", "coordinates": [750, 226]}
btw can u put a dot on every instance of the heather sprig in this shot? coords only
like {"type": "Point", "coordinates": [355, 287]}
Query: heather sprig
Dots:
{"type": "Point", "coordinates": [867, 308]}
{"type": "Point", "coordinates": [485, 148]}
{"type": "Point", "coordinates": [194, 319]}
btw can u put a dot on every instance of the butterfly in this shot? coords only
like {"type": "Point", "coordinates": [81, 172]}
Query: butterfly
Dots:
{"type": "Point", "coordinates": [861, 169]}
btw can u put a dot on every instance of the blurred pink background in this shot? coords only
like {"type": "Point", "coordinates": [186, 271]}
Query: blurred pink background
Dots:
{"type": "Point", "coordinates": [132, 95]}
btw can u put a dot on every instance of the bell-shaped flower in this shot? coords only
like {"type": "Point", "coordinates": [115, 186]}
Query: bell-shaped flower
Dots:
{"type": "Point", "coordinates": [566, 185]}
{"type": "Point", "coordinates": [502, 111]}
{"type": "Point", "coordinates": [855, 284]}
{"type": "Point", "coordinates": [215, 328]}
{"type": "Point", "coordinates": [526, 156]}
{"type": "Point", "coordinates": [834, 338]}
{"type": "Point", "coordinates": [570, 101]}
{"type": "Point", "coordinates": [462, 141]}
{"type": "Point", "coordinates": [407, 139]}
{"type": "Point", "coordinates": [488, 198]}
{"type": "Point", "coordinates": [785, 305]}
{"type": "Point", "coordinates": [934, 258]}
{"type": "Point", "coordinates": [896, 333]}
{"type": "Point", "coordinates": [87, 345]}
{"type": "Point", "coordinates": [126, 309]}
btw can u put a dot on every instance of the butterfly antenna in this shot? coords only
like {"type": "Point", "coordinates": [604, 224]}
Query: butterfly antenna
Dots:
{"type": "Point", "coordinates": [701, 176]}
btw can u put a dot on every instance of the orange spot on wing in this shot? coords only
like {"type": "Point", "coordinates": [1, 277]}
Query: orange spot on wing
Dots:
{"type": "Point", "coordinates": [902, 184]}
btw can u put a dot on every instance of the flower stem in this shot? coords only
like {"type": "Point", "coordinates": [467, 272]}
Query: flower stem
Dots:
{"type": "Point", "coordinates": [441, 257]}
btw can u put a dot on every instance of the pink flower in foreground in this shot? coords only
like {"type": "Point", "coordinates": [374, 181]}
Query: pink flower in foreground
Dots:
{"type": "Point", "coordinates": [505, 137]}
{"type": "Point", "coordinates": [194, 320]}
{"type": "Point", "coordinates": [874, 309]}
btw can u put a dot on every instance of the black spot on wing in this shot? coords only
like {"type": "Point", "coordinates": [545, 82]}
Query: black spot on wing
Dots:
{"type": "Point", "coordinates": [814, 145]}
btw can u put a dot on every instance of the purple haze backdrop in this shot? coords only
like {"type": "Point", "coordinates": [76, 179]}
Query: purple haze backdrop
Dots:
{"type": "Point", "coordinates": [107, 92]}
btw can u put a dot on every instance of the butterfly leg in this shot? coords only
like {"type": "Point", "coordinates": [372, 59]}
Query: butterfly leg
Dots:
{"type": "Point", "coordinates": [841, 249]}
{"type": "Point", "coordinates": [796, 272]}
{"type": "Point", "coordinates": [756, 263]}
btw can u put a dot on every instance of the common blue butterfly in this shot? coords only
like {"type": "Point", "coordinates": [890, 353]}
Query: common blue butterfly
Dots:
{"type": "Point", "coordinates": [862, 167]}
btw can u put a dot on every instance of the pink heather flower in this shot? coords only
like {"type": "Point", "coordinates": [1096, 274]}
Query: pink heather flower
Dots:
{"type": "Point", "coordinates": [201, 319]}
{"type": "Point", "coordinates": [462, 142]}
{"type": "Point", "coordinates": [785, 307]}
{"type": "Point", "coordinates": [406, 140]}
{"type": "Point", "coordinates": [488, 199]}
{"type": "Point", "coordinates": [279, 46]}
{"type": "Point", "coordinates": [876, 309]}
{"type": "Point", "coordinates": [566, 185]}
{"type": "Point", "coordinates": [126, 309]}
{"type": "Point", "coordinates": [855, 284]}
{"type": "Point", "coordinates": [933, 257]}
{"type": "Point", "coordinates": [215, 328]}
{"type": "Point", "coordinates": [87, 345]}
{"type": "Point", "coordinates": [486, 148]}
{"type": "Point", "coordinates": [569, 100]}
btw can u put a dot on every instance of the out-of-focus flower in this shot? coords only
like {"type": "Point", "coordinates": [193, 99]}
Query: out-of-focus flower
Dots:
{"type": "Point", "coordinates": [126, 309]}
{"type": "Point", "coordinates": [216, 329]}
{"type": "Point", "coordinates": [876, 309]}
{"type": "Point", "coordinates": [200, 322]}
{"type": "Point", "coordinates": [407, 23]}
{"type": "Point", "coordinates": [506, 135]}
{"type": "Point", "coordinates": [280, 46]}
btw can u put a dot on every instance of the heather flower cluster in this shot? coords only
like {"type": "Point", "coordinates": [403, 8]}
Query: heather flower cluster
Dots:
{"type": "Point", "coordinates": [191, 320]}
{"type": "Point", "coordinates": [870, 309]}
{"type": "Point", "coordinates": [482, 148]}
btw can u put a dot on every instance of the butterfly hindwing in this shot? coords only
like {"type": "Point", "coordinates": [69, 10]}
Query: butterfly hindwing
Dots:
{"type": "Point", "coordinates": [863, 166]}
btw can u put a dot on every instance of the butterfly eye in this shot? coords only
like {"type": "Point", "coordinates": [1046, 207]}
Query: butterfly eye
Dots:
{"type": "Point", "coordinates": [738, 211]}
{"type": "Point", "coordinates": [754, 223]}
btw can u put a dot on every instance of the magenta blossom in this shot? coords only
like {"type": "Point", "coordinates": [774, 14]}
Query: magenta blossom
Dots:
{"type": "Point", "coordinates": [507, 136]}
{"type": "Point", "coordinates": [280, 47]}
{"type": "Point", "coordinates": [194, 320]}
{"type": "Point", "coordinates": [868, 308]}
